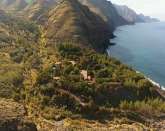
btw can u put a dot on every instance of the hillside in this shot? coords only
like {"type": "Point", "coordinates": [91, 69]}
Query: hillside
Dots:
{"type": "Point", "coordinates": [79, 25]}
{"type": "Point", "coordinates": [13, 4]}
{"type": "Point", "coordinates": [35, 10]}
{"type": "Point", "coordinates": [53, 76]}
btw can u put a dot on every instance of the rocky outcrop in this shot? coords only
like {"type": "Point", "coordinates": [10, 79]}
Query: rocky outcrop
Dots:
{"type": "Point", "coordinates": [12, 117]}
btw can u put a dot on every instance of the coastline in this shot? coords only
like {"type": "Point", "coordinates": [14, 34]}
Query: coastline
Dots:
{"type": "Point", "coordinates": [152, 81]}
{"type": "Point", "coordinates": [162, 87]}
{"type": "Point", "coordinates": [148, 78]}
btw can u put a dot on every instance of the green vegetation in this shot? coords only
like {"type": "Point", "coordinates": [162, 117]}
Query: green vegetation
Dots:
{"type": "Point", "coordinates": [53, 74]}
{"type": "Point", "coordinates": [148, 107]}
{"type": "Point", "coordinates": [62, 85]}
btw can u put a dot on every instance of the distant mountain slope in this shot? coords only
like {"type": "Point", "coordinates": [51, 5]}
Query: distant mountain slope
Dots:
{"type": "Point", "coordinates": [72, 21]}
{"type": "Point", "coordinates": [106, 11]}
{"type": "Point", "coordinates": [35, 10]}
{"type": "Point", "coordinates": [13, 27]}
{"type": "Point", "coordinates": [18, 5]}
{"type": "Point", "coordinates": [80, 24]}
{"type": "Point", "coordinates": [148, 18]}
{"type": "Point", "coordinates": [13, 4]}
{"type": "Point", "coordinates": [131, 16]}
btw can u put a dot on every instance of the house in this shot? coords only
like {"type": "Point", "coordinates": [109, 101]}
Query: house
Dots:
{"type": "Point", "coordinates": [85, 75]}
{"type": "Point", "coordinates": [56, 78]}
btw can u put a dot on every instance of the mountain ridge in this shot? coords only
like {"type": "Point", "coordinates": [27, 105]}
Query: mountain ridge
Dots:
{"type": "Point", "coordinates": [83, 24]}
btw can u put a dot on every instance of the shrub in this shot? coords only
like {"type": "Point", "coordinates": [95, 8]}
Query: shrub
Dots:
{"type": "Point", "coordinates": [149, 106]}
{"type": "Point", "coordinates": [84, 88]}
{"type": "Point", "coordinates": [45, 76]}
{"type": "Point", "coordinates": [68, 50]}
{"type": "Point", "coordinates": [144, 83]}
{"type": "Point", "coordinates": [103, 73]}
{"type": "Point", "coordinates": [68, 69]}
{"type": "Point", "coordinates": [64, 100]}
{"type": "Point", "coordinates": [129, 83]}
{"type": "Point", "coordinates": [47, 90]}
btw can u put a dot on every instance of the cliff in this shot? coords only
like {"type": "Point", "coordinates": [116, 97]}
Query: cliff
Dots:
{"type": "Point", "coordinates": [106, 11]}
{"type": "Point", "coordinates": [131, 16]}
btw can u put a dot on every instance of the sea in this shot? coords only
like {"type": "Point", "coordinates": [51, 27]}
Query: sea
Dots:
{"type": "Point", "coordinates": [142, 46]}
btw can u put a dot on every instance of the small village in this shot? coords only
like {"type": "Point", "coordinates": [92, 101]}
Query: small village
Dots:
{"type": "Point", "coordinates": [84, 73]}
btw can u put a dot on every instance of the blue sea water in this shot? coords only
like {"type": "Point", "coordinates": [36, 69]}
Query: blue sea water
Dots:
{"type": "Point", "coordinates": [142, 46]}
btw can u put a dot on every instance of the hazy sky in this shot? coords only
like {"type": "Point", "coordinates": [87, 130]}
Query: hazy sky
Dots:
{"type": "Point", "coordinates": [155, 8]}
